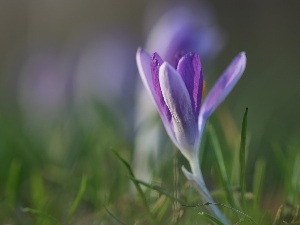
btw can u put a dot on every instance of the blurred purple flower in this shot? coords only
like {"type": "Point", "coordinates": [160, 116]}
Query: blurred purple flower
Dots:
{"type": "Point", "coordinates": [98, 79]}
{"type": "Point", "coordinates": [79, 78]}
{"type": "Point", "coordinates": [43, 88]}
{"type": "Point", "coordinates": [186, 29]}
{"type": "Point", "coordinates": [178, 91]}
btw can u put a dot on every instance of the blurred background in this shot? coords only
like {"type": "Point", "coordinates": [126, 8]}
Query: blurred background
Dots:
{"type": "Point", "coordinates": [68, 73]}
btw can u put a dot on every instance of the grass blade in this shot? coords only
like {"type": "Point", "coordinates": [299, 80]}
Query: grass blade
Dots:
{"type": "Point", "coordinates": [12, 183]}
{"type": "Point", "coordinates": [162, 191]}
{"type": "Point", "coordinates": [243, 159]}
{"type": "Point", "coordinates": [211, 218]}
{"type": "Point", "coordinates": [113, 216]}
{"type": "Point", "coordinates": [259, 175]}
{"type": "Point", "coordinates": [136, 184]}
{"type": "Point", "coordinates": [225, 206]}
{"type": "Point", "coordinates": [78, 197]}
{"type": "Point", "coordinates": [37, 190]}
{"type": "Point", "coordinates": [278, 215]}
{"type": "Point", "coordinates": [158, 189]}
{"type": "Point", "coordinates": [221, 165]}
{"type": "Point", "coordinates": [41, 214]}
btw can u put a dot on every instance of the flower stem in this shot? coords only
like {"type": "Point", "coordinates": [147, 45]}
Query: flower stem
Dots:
{"type": "Point", "coordinates": [202, 189]}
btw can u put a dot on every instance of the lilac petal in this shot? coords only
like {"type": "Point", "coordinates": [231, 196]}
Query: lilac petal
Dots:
{"type": "Point", "coordinates": [178, 101]}
{"type": "Point", "coordinates": [143, 60]}
{"type": "Point", "coordinates": [156, 62]}
{"type": "Point", "coordinates": [189, 67]}
{"type": "Point", "coordinates": [222, 88]}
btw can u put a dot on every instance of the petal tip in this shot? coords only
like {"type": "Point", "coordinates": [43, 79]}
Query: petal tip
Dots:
{"type": "Point", "coordinates": [191, 55]}
{"type": "Point", "coordinates": [241, 61]}
{"type": "Point", "coordinates": [164, 69]}
{"type": "Point", "coordinates": [139, 52]}
{"type": "Point", "coordinates": [142, 56]}
{"type": "Point", "coordinates": [243, 57]}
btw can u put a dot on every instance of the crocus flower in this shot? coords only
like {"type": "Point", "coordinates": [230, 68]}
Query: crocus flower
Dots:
{"type": "Point", "coordinates": [178, 91]}
{"type": "Point", "coordinates": [173, 31]}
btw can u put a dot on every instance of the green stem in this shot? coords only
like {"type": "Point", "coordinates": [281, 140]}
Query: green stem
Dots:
{"type": "Point", "coordinates": [202, 189]}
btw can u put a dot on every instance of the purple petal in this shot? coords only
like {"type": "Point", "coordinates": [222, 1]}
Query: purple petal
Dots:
{"type": "Point", "coordinates": [222, 88]}
{"type": "Point", "coordinates": [189, 67]}
{"type": "Point", "coordinates": [156, 62]}
{"type": "Point", "coordinates": [143, 60]}
{"type": "Point", "coordinates": [178, 101]}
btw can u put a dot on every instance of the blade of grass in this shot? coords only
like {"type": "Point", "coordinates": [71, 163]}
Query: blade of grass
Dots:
{"type": "Point", "coordinates": [12, 183]}
{"type": "Point", "coordinates": [243, 159]}
{"type": "Point", "coordinates": [281, 158]}
{"type": "Point", "coordinates": [225, 206]}
{"type": "Point", "coordinates": [37, 193]}
{"type": "Point", "coordinates": [113, 216]}
{"type": "Point", "coordinates": [162, 191]}
{"type": "Point", "coordinates": [136, 184]}
{"type": "Point", "coordinates": [234, 173]}
{"type": "Point", "coordinates": [211, 218]}
{"type": "Point", "coordinates": [140, 191]}
{"type": "Point", "coordinates": [278, 215]}
{"type": "Point", "coordinates": [37, 189]}
{"type": "Point", "coordinates": [295, 180]}
{"type": "Point", "coordinates": [296, 214]}
{"type": "Point", "coordinates": [221, 165]}
{"type": "Point", "coordinates": [158, 189]}
{"type": "Point", "coordinates": [259, 174]}
{"type": "Point", "coordinates": [41, 214]}
{"type": "Point", "coordinates": [78, 196]}
{"type": "Point", "coordinates": [162, 210]}
{"type": "Point", "coordinates": [265, 218]}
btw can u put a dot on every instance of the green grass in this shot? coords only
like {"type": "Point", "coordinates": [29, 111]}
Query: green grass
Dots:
{"type": "Point", "coordinates": [70, 175]}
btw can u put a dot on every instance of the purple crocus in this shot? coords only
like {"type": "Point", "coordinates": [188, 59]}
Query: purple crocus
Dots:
{"type": "Point", "coordinates": [173, 30]}
{"type": "Point", "coordinates": [178, 95]}
{"type": "Point", "coordinates": [185, 28]}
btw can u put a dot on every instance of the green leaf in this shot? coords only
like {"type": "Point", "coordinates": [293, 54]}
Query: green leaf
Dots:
{"type": "Point", "coordinates": [78, 196]}
{"type": "Point", "coordinates": [136, 184]}
{"type": "Point", "coordinates": [211, 218]}
{"type": "Point", "coordinates": [243, 159]}
{"type": "Point", "coordinates": [37, 189]}
{"type": "Point", "coordinates": [12, 183]}
{"type": "Point", "coordinates": [259, 175]}
{"type": "Point", "coordinates": [225, 206]}
{"type": "Point", "coordinates": [126, 164]}
{"type": "Point", "coordinates": [221, 165]}
{"type": "Point", "coordinates": [158, 189]}
{"type": "Point", "coordinates": [41, 214]}
{"type": "Point", "coordinates": [113, 216]}
{"type": "Point", "coordinates": [278, 215]}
